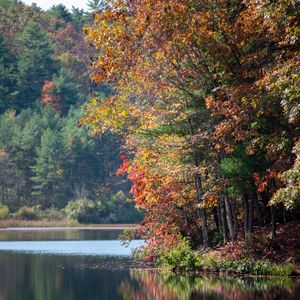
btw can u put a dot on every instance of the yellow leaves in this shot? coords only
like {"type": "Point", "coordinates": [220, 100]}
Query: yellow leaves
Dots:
{"type": "Point", "coordinates": [94, 102]}
{"type": "Point", "coordinates": [209, 201]}
{"type": "Point", "coordinates": [218, 147]}
{"type": "Point", "coordinates": [160, 55]}
{"type": "Point", "coordinates": [209, 102]}
{"type": "Point", "coordinates": [109, 114]}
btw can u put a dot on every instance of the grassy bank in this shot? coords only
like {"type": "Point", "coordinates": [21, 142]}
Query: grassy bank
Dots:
{"type": "Point", "coordinates": [14, 223]}
{"type": "Point", "coordinates": [181, 259]}
{"type": "Point", "coordinates": [255, 255]}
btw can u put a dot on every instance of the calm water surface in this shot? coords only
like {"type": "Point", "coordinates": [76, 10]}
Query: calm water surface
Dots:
{"type": "Point", "coordinates": [92, 264]}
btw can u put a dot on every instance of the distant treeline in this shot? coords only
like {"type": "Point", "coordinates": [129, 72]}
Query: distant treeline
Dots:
{"type": "Point", "coordinates": [46, 159]}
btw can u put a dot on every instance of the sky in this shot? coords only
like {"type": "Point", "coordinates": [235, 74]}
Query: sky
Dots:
{"type": "Point", "coordinates": [45, 4]}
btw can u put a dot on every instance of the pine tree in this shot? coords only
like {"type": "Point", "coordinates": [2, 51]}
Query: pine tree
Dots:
{"type": "Point", "coordinates": [35, 63]}
{"type": "Point", "coordinates": [96, 5]}
{"type": "Point", "coordinates": [6, 76]}
{"type": "Point", "coordinates": [61, 12]}
{"type": "Point", "coordinates": [66, 89]}
{"type": "Point", "coordinates": [48, 169]}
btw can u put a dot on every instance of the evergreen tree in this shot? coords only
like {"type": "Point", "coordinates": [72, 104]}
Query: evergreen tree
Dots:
{"type": "Point", "coordinates": [27, 130]}
{"type": "Point", "coordinates": [6, 76]}
{"type": "Point", "coordinates": [96, 5]}
{"type": "Point", "coordinates": [83, 168]}
{"type": "Point", "coordinates": [61, 12]}
{"type": "Point", "coordinates": [49, 173]}
{"type": "Point", "coordinates": [66, 89]}
{"type": "Point", "coordinates": [80, 17]}
{"type": "Point", "coordinates": [35, 63]}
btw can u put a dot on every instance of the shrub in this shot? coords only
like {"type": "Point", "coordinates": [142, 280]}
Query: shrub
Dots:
{"type": "Point", "coordinates": [4, 211]}
{"type": "Point", "coordinates": [81, 210]}
{"type": "Point", "coordinates": [27, 213]}
{"type": "Point", "coordinates": [51, 213]}
{"type": "Point", "coordinates": [254, 267]}
{"type": "Point", "coordinates": [180, 257]}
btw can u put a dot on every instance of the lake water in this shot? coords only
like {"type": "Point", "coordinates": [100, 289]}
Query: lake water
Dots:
{"type": "Point", "coordinates": [92, 264]}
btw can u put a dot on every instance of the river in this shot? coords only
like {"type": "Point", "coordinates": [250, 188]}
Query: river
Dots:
{"type": "Point", "coordinates": [91, 264]}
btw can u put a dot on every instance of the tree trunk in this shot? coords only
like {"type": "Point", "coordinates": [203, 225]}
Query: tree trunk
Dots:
{"type": "Point", "coordinates": [202, 214]}
{"type": "Point", "coordinates": [219, 213]}
{"type": "Point", "coordinates": [234, 215]}
{"type": "Point", "coordinates": [273, 221]}
{"type": "Point", "coordinates": [217, 218]}
{"type": "Point", "coordinates": [229, 219]}
{"type": "Point", "coordinates": [223, 220]}
{"type": "Point", "coordinates": [199, 189]}
{"type": "Point", "coordinates": [251, 213]}
{"type": "Point", "coordinates": [258, 212]}
{"type": "Point", "coordinates": [246, 218]}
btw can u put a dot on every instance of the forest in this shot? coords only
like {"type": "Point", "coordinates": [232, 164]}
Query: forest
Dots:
{"type": "Point", "coordinates": [205, 95]}
{"type": "Point", "coordinates": [183, 114]}
{"type": "Point", "coordinates": [50, 167]}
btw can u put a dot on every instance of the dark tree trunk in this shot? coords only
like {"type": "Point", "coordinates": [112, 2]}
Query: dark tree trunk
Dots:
{"type": "Point", "coordinates": [198, 185]}
{"type": "Point", "coordinates": [251, 213]}
{"type": "Point", "coordinates": [234, 214]}
{"type": "Point", "coordinates": [216, 218]}
{"type": "Point", "coordinates": [202, 214]}
{"type": "Point", "coordinates": [246, 218]}
{"type": "Point", "coordinates": [223, 220]}
{"type": "Point", "coordinates": [229, 219]}
{"type": "Point", "coordinates": [258, 211]}
{"type": "Point", "coordinates": [273, 222]}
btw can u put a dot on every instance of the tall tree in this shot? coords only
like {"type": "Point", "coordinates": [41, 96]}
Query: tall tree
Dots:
{"type": "Point", "coordinates": [35, 64]}
{"type": "Point", "coordinates": [61, 12]}
{"type": "Point", "coordinates": [67, 90]}
{"type": "Point", "coordinates": [7, 76]}
{"type": "Point", "coordinates": [48, 169]}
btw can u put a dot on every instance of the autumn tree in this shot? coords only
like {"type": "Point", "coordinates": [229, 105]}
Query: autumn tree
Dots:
{"type": "Point", "coordinates": [202, 98]}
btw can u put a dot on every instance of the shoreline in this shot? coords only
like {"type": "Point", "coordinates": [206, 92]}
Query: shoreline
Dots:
{"type": "Point", "coordinates": [25, 225]}
{"type": "Point", "coordinates": [32, 228]}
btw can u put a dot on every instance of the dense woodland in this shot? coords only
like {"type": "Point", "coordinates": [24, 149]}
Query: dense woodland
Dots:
{"type": "Point", "coordinates": [49, 165]}
{"type": "Point", "coordinates": [206, 97]}
{"type": "Point", "coordinates": [195, 102]}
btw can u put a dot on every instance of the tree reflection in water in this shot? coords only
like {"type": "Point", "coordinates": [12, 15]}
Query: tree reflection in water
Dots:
{"type": "Point", "coordinates": [153, 285]}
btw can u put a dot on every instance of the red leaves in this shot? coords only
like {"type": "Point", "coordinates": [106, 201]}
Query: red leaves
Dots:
{"type": "Point", "coordinates": [125, 164]}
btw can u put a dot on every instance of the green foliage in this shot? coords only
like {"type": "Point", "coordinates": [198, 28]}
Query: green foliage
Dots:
{"type": "Point", "coordinates": [102, 210]}
{"type": "Point", "coordinates": [4, 211]}
{"type": "Point", "coordinates": [179, 258]}
{"type": "Point", "coordinates": [52, 161]}
{"type": "Point", "coordinates": [96, 5]}
{"type": "Point", "coordinates": [48, 169]}
{"type": "Point", "coordinates": [46, 159]}
{"type": "Point", "coordinates": [35, 63]}
{"type": "Point", "coordinates": [51, 213]}
{"type": "Point", "coordinates": [61, 12]}
{"type": "Point", "coordinates": [290, 194]}
{"type": "Point", "coordinates": [254, 267]}
{"type": "Point", "coordinates": [26, 213]}
{"type": "Point", "coordinates": [7, 75]}
{"type": "Point", "coordinates": [84, 211]}
{"type": "Point", "coordinates": [66, 89]}
{"type": "Point", "coordinates": [182, 258]}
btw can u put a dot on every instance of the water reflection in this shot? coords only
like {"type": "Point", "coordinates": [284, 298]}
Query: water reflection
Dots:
{"type": "Point", "coordinates": [150, 285]}
{"type": "Point", "coordinates": [59, 235]}
{"type": "Point", "coordinates": [45, 276]}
